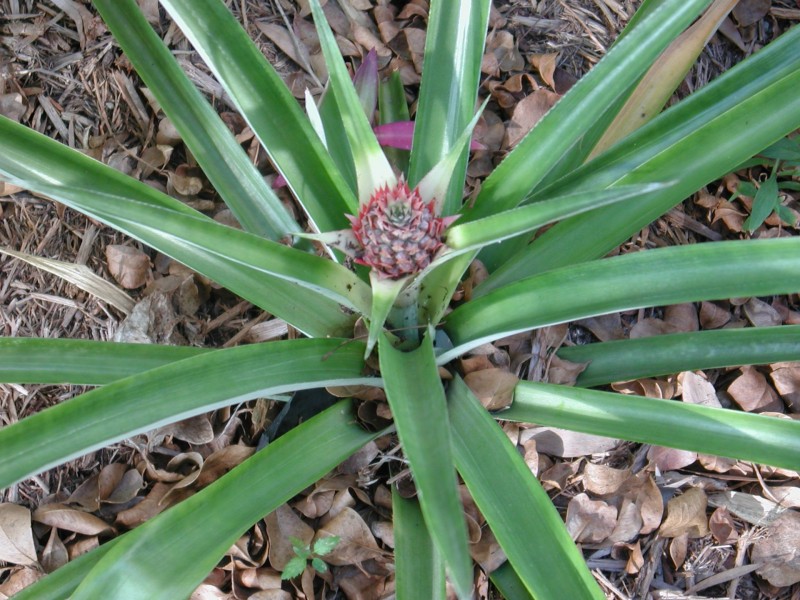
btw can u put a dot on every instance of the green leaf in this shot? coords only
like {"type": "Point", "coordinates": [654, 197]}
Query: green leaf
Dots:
{"type": "Point", "coordinates": [764, 203]}
{"type": "Point", "coordinates": [692, 143]}
{"type": "Point", "coordinates": [221, 157]}
{"type": "Point", "coordinates": [448, 92]}
{"type": "Point", "coordinates": [264, 272]}
{"type": "Point", "coordinates": [326, 545]}
{"type": "Point", "coordinates": [169, 393]}
{"type": "Point", "coordinates": [319, 565]}
{"type": "Point", "coordinates": [372, 168]}
{"type": "Point", "coordinates": [418, 406]}
{"type": "Point", "coordinates": [623, 360]}
{"type": "Point", "coordinates": [565, 124]}
{"type": "Point", "coordinates": [649, 278]}
{"type": "Point", "coordinates": [523, 519]}
{"type": "Point", "coordinates": [82, 362]}
{"type": "Point", "coordinates": [722, 432]}
{"type": "Point", "coordinates": [294, 567]}
{"type": "Point", "coordinates": [60, 584]}
{"type": "Point", "coordinates": [501, 226]}
{"type": "Point", "coordinates": [268, 107]}
{"type": "Point", "coordinates": [419, 569]}
{"type": "Point", "coordinates": [170, 555]}
{"type": "Point", "coordinates": [393, 108]}
{"type": "Point", "coordinates": [508, 583]}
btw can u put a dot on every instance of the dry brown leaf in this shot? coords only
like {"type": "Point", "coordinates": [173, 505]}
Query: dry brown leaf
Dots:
{"type": "Point", "coordinates": [384, 531]}
{"type": "Point", "coordinates": [605, 327]}
{"type": "Point", "coordinates": [682, 316]}
{"type": "Point", "coordinates": [788, 496]}
{"type": "Point", "coordinates": [686, 514]}
{"type": "Point", "coordinates": [18, 580]}
{"type": "Point", "coordinates": [651, 388]}
{"type": "Point", "coordinates": [761, 314]}
{"type": "Point", "coordinates": [753, 509]}
{"type": "Point", "coordinates": [778, 550]}
{"type": "Point", "coordinates": [211, 592]}
{"type": "Point", "coordinates": [261, 578]}
{"type": "Point", "coordinates": [527, 113]}
{"type": "Point", "coordinates": [629, 523]}
{"type": "Point", "coordinates": [283, 524]}
{"type": "Point", "coordinates": [129, 266]}
{"type": "Point", "coordinates": [590, 521]}
{"type": "Point", "coordinates": [564, 372]}
{"type": "Point", "coordinates": [567, 444]}
{"type": "Point", "coordinates": [54, 554]}
{"type": "Point", "coordinates": [186, 180]}
{"type": "Point", "coordinates": [678, 548]}
{"type": "Point", "coordinates": [222, 461]}
{"type": "Point", "coordinates": [718, 464]}
{"type": "Point", "coordinates": [16, 535]}
{"type": "Point", "coordinates": [115, 484]}
{"type": "Point", "coordinates": [546, 65]}
{"type": "Point", "coordinates": [356, 543]}
{"type": "Point", "coordinates": [603, 480]}
{"type": "Point", "coordinates": [271, 595]}
{"type": "Point", "coordinates": [698, 390]}
{"type": "Point", "coordinates": [749, 12]}
{"type": "Point", "coordinates": [713, 316]}
{"type": "Point", "coordinates": [670, 459]}
{"type": "Point", "coordinates": [752, 392]}
{"type": "Point", "coordinates": [71, 519]}
{"type": "Point", "coordinates": [635, 560]}
{"type": "Point", "coordinates": [786, 377]}
{"type": "Point", "coordinates": [12, 106]}
{"type": "Point", "coordinates": [649, 327]}
{"type": "Point", "coordinates": [722, 526]}
{"type": "Point", "coordinates": [146, 509]}
{"type": "Point", "coordinates": [487, 552]}
{"type": "Point", "coordinates": [493, 387]}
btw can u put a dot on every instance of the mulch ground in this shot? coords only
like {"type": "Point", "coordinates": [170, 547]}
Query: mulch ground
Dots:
{"type": "Point", "coordinates": [62, 74]}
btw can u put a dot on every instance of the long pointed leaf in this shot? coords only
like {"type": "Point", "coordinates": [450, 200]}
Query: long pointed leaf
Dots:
{"type": "Point", "coordinates": [221, 157]}
{"type": "Point", "coordinates": [169, 393]}
{"type": "Point", "coordinates": [448, 91]}
{"type": "Point", "coordinates": [564, 125]}
{"type": "Point", "coordinates": [723, 432]}
{"type": "Point", "coordinates": [649, 278]}
{"type": "Point", "coordinates": [418, 566]}
{"type": "Point", "coordinates": [372, 168]}
{"type": "Point", "coordinates": [418, 406]}
{"type": "Point", "coordinates": [515, 505]}
{"type": "Point", "coordinates": [268, 107]}
{"type": "Point", "coordinates": [622, 360]}
{"type": "Point", "coordinates": [82, 362]}
{"type": "Point", "coordinates": [169, 556]}
{"type": "Point", "coordinates": [694, 142]}
{"type": "Point", "coordinates": [264, 272]}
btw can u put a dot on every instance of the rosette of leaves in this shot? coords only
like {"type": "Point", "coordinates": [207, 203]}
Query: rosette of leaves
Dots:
{"type": "Point", "coordinates": [560, 275]}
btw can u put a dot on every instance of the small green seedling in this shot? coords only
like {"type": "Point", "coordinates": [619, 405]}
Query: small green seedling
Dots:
{"type": "Point", "coordinates": [784, 157]}
{"type": "Point", "coordinates": [304, 552]}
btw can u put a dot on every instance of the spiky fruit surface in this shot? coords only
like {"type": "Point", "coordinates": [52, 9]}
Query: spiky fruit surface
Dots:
{"type": "Point", "coordinates": [399, 234]}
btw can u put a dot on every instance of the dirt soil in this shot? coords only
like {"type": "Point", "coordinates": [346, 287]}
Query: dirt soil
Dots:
{"type": "Point", "coordinates": [62, 74]}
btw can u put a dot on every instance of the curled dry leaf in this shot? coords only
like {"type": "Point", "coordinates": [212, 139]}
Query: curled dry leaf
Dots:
{"type": "Point", "coordinates": [16, 535]}
{"type": "Point", "coordinates": [778, 550]}
{"type": "Point", "coordinates": [129, 266]}
{"type": "Point", "coordinates": [590, 521]}
{"type": "Point", "coordinates": [722, 526]}
{"type": "Point", "coordinates": [146, 509]}
{"type": "Point", "coordinates": [603, 480]}
{"type": "Point", "coordinates": [115, 484]}
{"type": "Point", "coordinates": [71, 519]}
{"type": "Point", "coordinates": [54, 555]}
{"type": "Point", "coordinates": [686, 514]}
